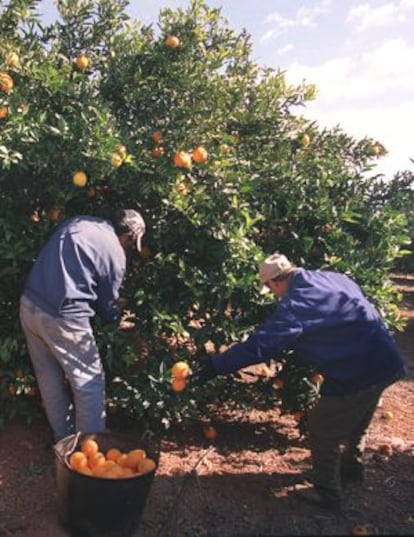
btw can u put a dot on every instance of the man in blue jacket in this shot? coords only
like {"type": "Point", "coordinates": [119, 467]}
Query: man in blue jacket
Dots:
{"type": "Point", "coordinates": [78, 273]}
{"type": "Point", "coordinates": [325, 318]}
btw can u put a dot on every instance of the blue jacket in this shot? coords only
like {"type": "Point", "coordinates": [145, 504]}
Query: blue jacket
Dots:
{"type": "Point", "coordinates": [79, 271]}
{"type": "Point", "coordinates": [330, 325]}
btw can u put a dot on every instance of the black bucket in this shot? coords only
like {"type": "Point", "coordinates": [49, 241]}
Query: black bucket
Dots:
{"type": "Point", "coordinates": [95, 507]}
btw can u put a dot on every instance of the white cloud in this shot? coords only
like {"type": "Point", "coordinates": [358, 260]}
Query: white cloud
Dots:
{"type": "Point", "coordinates": [391, 125]}
{"type": "Point", "coordinates": [367, 95]}
{"type": "Point", "coordinates": [366, 16]}
{"type": "Point", "coordinates": [376, 72]}
{"type": "Point", "coordinates": [283, 50]}
{"type": "Point", "coordinates": [305, 17]}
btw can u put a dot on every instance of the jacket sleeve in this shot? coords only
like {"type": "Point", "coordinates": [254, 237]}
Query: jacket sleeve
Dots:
{"type": "Point", "coordinates": [276, 334]}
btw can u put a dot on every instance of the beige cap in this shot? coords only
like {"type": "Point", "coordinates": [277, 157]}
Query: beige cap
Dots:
{"type": "Point", "coordinates": [272, 267]}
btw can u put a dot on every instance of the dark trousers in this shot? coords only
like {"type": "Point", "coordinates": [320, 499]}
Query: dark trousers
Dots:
{"type": "Point", "coordinates": [340, 421]}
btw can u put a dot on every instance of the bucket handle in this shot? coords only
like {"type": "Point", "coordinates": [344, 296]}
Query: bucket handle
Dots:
{"type": "Point", "coordinates": [69, 450]}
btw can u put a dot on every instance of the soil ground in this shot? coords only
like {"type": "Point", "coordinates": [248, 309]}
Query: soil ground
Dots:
{"type": "Point", "coordinates": [238, 485]}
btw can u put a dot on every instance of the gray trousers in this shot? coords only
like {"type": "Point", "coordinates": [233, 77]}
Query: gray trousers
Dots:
{"type": "Point", "coordinates": [68, 370]}
{"type": "Point", "coordinates": [336, 422]}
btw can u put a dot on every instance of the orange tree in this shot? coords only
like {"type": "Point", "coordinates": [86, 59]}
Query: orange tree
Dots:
{"type": "Point", "coordinates": [98, 111]}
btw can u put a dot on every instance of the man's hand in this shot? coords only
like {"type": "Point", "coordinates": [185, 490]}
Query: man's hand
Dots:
{"type": "Point", "coordinates": [127, 321]}
{"type": "Point", "coordinates": [126, 325]}
{"type": "Point", "coordinates": [203, 371]}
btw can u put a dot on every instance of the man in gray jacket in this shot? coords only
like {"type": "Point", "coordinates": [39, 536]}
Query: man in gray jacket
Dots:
{"type": "Point", "coordinates": [77, 274]}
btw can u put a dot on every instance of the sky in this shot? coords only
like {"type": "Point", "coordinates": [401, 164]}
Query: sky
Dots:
{"type": "Point", "coordinates": [358, 53]}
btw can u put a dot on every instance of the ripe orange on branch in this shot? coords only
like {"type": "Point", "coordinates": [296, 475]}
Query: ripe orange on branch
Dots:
{"type": "Point", "coordinates": [116, 160]}
{"type": "Point", "coordinates": [4, 112]}
{"type": "Point", "coordinates": [80, 178]}
{"type": "Point", "coordinates": [180, 188]}
{"type": "Point", "coordinates": [182, 159]}
{"type": "Point", "coordinates": [199, 154]}
{"type": "Point", "coordinates": [82, 62]}
{"type": "Point", "coordinates": [157, 137]}
{"type": "Point", "coordinates": [6, 82]}
{"type": "Point", "coordinates": [178, 385]}
{"type": "Point", "coordinates": [121, 150]}
{"type": "Point", "coordinates": [13, 60]}
{"type": "Point", "coordinates": [305, 140]}
{"type": "Point", "coordinates": [180, 370]}
{"type": "Point", "coordinates": [172, 41]}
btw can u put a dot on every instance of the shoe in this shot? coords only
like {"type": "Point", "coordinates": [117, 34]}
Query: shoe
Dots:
{"type": "Point", "coordinates": [317, 496]}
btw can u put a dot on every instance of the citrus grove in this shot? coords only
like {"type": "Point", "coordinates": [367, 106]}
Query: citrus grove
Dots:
{"type": "Point", "coordinates": [98, 111]}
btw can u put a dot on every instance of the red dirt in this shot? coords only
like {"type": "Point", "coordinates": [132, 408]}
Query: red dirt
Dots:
{"type": "Point", "coordinates": [236, 485]}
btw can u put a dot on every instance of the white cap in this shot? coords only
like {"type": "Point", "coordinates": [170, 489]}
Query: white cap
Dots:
{"type": "Point", "coordinates": [272, 267]}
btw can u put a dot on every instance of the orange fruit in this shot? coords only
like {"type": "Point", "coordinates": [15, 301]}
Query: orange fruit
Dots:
{"type": "Point", "coordinates": [128, 472]}
{"type": "Point", "coordinates": [79, 178]}
{"type": "Point", "coordinates": [82, 62]}
{"type": "Point", "coordinates": [6, 82]}
{"type": "Point", "coordinates": [84, 470]}
{"type": "Point", "coordinates": [157, 137]}
{"type": "Point", "coordinates": [96, 459]}
{"type": "Point", "coordinates": [199, 154]}
{"type": "Point", "coordinates": [113, 454]}
{"type": "Point", "coordinates": [146, 465]}
{"type": "Point", "coordinates": [158, 152]}
{"type": "Point", "coordinates": [209, 432]}
{"type": "Point", "coordinates": [305, 140]}
{"type": "Point", "coordinates": [182, 159]}
{"type": "Point", "coordinates": [133, 457]}
{"type": "Point", "coordinates": [121, 150]}
{"type": "Point", "coordinates": [109, 470]}
{"type": "Point", "coordinates": [178, 385]}
{"type": "Point", "coordinates": [13, 60]}
{"type": "Point", "coordinates": [89, 447]}
{"type": "Point", "coordinates": [116, 160]}
{"type": "Point", "coordinates": [279, 383]}
{"type": "Point", "coordinates": [121, 460]}
{"type": "Point", "coordinates": [172, 41]}
{"type": "Point", "coordinates": [181, 189]}
{"type": "Point", "coordinates": [224, 148]}
{"type": "Point", "coordinates": [78, 460]}
{"type": "Point", "coordinates": [4, 112]}
{"type": "Point", "coordinates": [180, 370]}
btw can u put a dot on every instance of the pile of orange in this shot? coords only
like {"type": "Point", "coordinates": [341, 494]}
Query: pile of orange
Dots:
{"type": "Point", "coordinates": [113, 464]}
